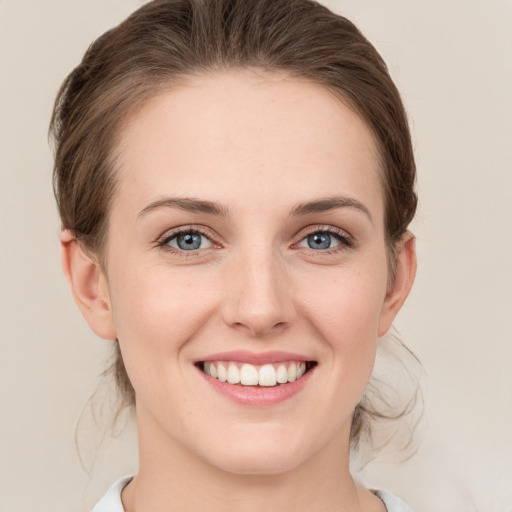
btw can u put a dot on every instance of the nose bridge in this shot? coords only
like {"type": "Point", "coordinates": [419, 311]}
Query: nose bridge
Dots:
{"type": "Point", "coordinates": [258, 297]}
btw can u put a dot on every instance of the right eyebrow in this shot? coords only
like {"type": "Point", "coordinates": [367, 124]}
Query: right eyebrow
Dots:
{"type": "Point", "coordinates": [330, 203]}
{"type": "Point", "coordinates": [186, 203]}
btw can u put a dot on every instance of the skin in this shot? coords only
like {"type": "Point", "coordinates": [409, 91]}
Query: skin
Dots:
{"type": "Point", "coordinates": [257, 145]}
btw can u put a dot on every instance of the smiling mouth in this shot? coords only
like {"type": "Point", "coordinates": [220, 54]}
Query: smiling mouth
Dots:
{"type": "Point", "coordinates": [266, 375]}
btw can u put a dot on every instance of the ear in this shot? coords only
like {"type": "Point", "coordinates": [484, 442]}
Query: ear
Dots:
{"type": "Point", "coordinates": [88, 285]}
{"type": "Point", "coordinates": [401, 286]}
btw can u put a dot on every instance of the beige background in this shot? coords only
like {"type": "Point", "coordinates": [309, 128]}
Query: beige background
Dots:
{"type": "Point", "coordinates": [452, 60]}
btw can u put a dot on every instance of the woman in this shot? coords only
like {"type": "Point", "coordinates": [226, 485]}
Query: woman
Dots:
{"type": "Point", "coordinates": [235, 180]}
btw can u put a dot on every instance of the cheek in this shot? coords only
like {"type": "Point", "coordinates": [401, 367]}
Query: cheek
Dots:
{"type": "Point", "coordinates": [349, 302]}
{"type": "Point", "coordinates": [345, 312]}
{"type": "Point", "coordinates": [157, 312]}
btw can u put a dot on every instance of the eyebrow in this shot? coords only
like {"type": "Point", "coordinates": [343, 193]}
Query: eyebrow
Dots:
{"type": "Point", "coordinates": [302, 209]}
{"type": "Point", "coordinates": [187, 204]}
{"type": "Point", "coordinates": [329, 203]}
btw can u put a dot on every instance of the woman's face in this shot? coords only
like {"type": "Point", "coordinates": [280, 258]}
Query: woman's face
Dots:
{"type": "Point", "coordinates": [246, 240]}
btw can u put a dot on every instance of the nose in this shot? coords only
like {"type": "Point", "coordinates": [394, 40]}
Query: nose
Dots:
{"type": "Point", "coordinates": [258, 296]}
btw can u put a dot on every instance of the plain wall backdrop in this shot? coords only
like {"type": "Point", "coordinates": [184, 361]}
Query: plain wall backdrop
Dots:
{"type": "Point", "coordinates": [452, 61]}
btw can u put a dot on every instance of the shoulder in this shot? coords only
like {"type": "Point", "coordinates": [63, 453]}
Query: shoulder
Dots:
{"type": "Point", "coordinates": [111, 502]}
{"type": "Point", "coordinates": [393, 504]}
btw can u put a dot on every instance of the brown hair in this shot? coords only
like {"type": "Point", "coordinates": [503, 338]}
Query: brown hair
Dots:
{"type": "Point", "coordinates": [166, 41]}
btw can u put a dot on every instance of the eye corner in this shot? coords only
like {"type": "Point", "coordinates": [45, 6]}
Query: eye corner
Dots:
{"type": "Point", "coordinates": [194, 240]}
{"type": "Point", "coordinates": [326, 235]}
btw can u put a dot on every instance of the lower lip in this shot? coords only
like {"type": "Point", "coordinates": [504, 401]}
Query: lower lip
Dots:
{"type": "Point", "coordinates": [258, 396]}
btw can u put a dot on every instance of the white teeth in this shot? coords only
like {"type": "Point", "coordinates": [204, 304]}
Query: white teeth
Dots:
{"type": "Point", "coordinates": [281, 374]}
{"type": "Point", "coordinates": [292, 372]}
{"type": "Point", "coordinates": [267, 375]}
{"type": "Point", "coordinates": [233, 374]}
{"type": "Point", "coordinates": [222, 373]}
{"type": "Point", "coordinates": [249, 375]}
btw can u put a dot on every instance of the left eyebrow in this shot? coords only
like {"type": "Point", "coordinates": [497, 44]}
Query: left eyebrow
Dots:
{"type": "Point", "coordinates": [329, 203]}
{"type": "Point", "coordinates": [187, 204]}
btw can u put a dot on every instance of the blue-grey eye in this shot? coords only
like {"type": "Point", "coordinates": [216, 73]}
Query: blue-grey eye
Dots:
{"type": "Point", "coordinates": [189, 241]}
{"type": "Point", "coordinates": [321, 240]}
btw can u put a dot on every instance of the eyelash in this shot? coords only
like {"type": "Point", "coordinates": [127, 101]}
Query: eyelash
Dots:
{"type": "Point", "coordinates": [345, 240]}
{"type": "Point", "coordinates": [163, 243]}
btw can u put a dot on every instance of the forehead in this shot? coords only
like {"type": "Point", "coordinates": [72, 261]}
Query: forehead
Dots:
{"type": "Point", "coordinates": [237, 135]}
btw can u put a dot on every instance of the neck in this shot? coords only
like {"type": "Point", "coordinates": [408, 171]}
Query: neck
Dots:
{"type": "Point", "coordinates": [175, 479]}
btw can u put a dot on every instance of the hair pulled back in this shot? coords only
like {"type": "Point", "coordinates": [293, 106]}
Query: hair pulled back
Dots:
{"type": "Point", "coordinates": [166, 41]}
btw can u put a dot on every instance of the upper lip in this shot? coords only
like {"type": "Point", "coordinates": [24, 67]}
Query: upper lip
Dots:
{"type": "Point", "coordinates": [256, 358]}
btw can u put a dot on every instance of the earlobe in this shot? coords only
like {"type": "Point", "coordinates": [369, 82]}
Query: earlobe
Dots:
{"type": "Point", "coordinates": [88, 285]}
{"type": "Point", "coordinates": [403, 280]}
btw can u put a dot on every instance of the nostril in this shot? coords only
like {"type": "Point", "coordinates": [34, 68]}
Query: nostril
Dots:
{"type": "Point", "coordinates": [259, 327]}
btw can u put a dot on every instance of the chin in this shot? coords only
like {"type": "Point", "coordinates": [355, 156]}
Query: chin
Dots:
{"type": "Point", "coordinates": [256, 456]}
{"type": "Point", "coordinates": [259, 465]}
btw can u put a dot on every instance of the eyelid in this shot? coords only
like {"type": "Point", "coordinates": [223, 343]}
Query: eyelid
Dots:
{"type": "Point", "coordinates": [163, 241]}
{"type": "Point", "coordinates": [346, 240]}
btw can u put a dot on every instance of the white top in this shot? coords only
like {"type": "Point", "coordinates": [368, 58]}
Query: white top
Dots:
{"type": "Point", "coordinates": [111, 502]}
